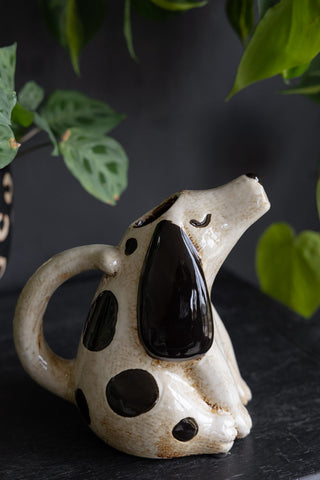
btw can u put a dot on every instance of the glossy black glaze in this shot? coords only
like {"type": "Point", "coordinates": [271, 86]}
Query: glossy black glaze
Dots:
{"type": "Point", "coordinates": [174, 309]}
{"type": "Point", "coordinates": [82, 405]}
{"type": "Point", "coordinates": [157, 211]}
{"type": "Point", "coordinates": [6, 216]}
{"type": "Point", "coordinates": [132, 392]}
{"type": "Point", "coordinates": [131, 246]}
{"type": "Point", "coordinates": [254, 176]}
{"type": "Point", "coordinates": [185, 430]}
{"type": "Point", "coordinates": [100, 326]}
{"type": "Point", "coordinates": [203, 223]}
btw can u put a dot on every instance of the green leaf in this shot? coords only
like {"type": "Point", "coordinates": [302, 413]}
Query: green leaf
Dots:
{"type": "Point", "coordinates": [43, 124]}
{"type": "Point", "coordinates": [21, 116]}
{"type": "Point", "coordinates": [127, 29]}
{"type": "Point", "coordinates": [288, 267]}
{"type": "Point", "coordinates": [98, 162]}
{"type": "Point", "coordinates": [294, 72]}
{"type": "Point", "coordinates": [146, 9]}
{"type": "Point", "coordinates": [286, 37]}
{"type": "Point", "coordinates": [240, 14]}
{"type": "Point", "coordinates": [7, 93]}
{"type": "Point", "coordinates": [7, 102]}
{"type": "Point", "coordinates": [30, 96]}
{"type": "Point", "coordinates": [7, 66]}
{"type": "Point", "coordinates": [74, 23]}
{"type": "Point", "coordinates": [179, 5]}
{"type": "Point", "coordinates": [65, 109]}
{"type": "Point", "coordinates": [8, 146]}
{"type": "Point", "coordinates": [309, 84]}
{"type": "Point", "coordinates": [264, 5]}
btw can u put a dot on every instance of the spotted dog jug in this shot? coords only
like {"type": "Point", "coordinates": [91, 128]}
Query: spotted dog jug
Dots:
{"type": "Point", "coordinates": [155, 373]}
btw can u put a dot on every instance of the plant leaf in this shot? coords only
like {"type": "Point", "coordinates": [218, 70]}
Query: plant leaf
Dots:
{"type": "Point", "coordinates": [30, 96]}
{"type": "Point", "coordinates": [147, 9]}
{"type": "Point", "coordinates": [74, 23]}
{"type": "Point", "coordinates": [286, 37]}
{"type": "Point", "coordinates": [288, 267]}
{"type": "Point", "coordinates": [7, 66]}
{"type": "Point", "coordinates": [98, 162]}
{"type": "Point", "coordinates": [127, 32]}
{"type": "Point", "coordinates": [179, 5]}
{"type": "Point", "coordinates": [7, 93]}
{"type": "Point", "coordinates": [21, 116]}
{"type": "Point", "coordinates": [294, 72]}
{"type": "Point", "coordinates": [8, 146]}
{"type": "Point", "coordinates": [43, 124]}
{"type": "Point", "coordinates": [240, 14]}
{"type": "Point", "coordinates": [65, 109]}
{"type": "Point", "coordinates": [264, 5]}
{"type": "Point", "coordinates": [309, 84]}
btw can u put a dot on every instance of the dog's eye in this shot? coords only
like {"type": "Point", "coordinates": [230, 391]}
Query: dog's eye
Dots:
{"type": "Point", "coordinates": [203, 223]}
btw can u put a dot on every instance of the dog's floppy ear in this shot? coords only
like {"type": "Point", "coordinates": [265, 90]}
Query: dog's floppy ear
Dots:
{"type": "Point", "coordinates": [174, 309]}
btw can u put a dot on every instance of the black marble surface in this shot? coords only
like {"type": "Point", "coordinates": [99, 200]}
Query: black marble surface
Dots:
{"type": "Point", "coordinates": [43, 437]}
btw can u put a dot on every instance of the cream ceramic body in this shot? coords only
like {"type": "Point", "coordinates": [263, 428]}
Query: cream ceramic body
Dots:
{"type": "Point", "coordinates": [207, 389]}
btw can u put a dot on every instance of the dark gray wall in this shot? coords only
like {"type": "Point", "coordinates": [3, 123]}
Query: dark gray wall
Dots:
{"type": "Point", "coordinates": [179, 132]}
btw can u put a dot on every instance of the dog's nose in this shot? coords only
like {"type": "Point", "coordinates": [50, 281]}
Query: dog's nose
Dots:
{"type": "Point", "coordinates": [254, 176]}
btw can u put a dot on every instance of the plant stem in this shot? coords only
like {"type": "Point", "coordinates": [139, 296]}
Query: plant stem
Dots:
{"type": "Point", "coordinates": [29, 135]}
{"type": "Point", "coordinates": [31, 149]}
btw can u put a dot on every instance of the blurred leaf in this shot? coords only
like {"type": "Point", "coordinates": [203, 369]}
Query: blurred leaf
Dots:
{"type": "Point", "coordinates": [127, 29]}
{"type": "Point", "coordinates": [264, 5]}
{"type": "Point", "coordinates": [43, 124]}
{"type": "Point", "coordinates": [240, 14]}
{"type": "Point", "coordinates": [67, 108]}
{"type": "Point", "coordinates": [309, 84]}
{"type": "Point", "coordinates": [7, 102]}
{"type": "Point", "coordinates": [30, 96]}
{"type": "Point", "coordinates": [7, 66]}
{"type": "Point", "coordinates": [8, 146]}
{"type": "Point", "coordinates": [7, 93]}
{"type": "Point", "coordinates": [179, 5]}
{"type": "Point", "coordinates": [98, 162]}
{"type": "Point", "coordinates": [286, 37]}
{"type": "Point", "coordinates": [294, 72]}
{"type": "Point", "coordinates": [288, 267]}
{"type": "Point", "coordinates": [21, 116]}
{"type": "Point", "coordinates": [146, 9]}
{"type": "Point", "coordinates": [74, 23]}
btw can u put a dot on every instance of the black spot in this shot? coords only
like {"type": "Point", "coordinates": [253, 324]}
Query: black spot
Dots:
{"type": "Point", "coordinates": [204, 223]}
{"type": "Point", "coordinates": [174, 308]}
{"type": "Point", "coordinates": [131, 246]}
{"type": "Point", "coordinates": [100, 325]}
{"type": "Point", "coordinates": [185, 430]}
{"type": "Point", "coordinates": [158, 211]}
{"type": "Point", "coordinates": [82, 405]}
{"type": "Point", "coordinates": [132, 392]}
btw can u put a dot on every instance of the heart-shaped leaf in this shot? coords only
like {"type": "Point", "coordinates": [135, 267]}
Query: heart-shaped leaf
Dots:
{"type": "Point", "coordinates": [98, 162]}
{"type": "Point", "coordinates": [66, 109]}
{"type": "Point", "coordinates": [8, 146]}
{"type": "Point", "coordinates": [7, 66]}
{"type": "Point", "coordinates": [30, 96]}
{"type": "Point", "coordinates": [286, 37]}
{"type": "Point", "coordinates": [240, 14]}
{"type": "Point", "coordinates": [288, 267]}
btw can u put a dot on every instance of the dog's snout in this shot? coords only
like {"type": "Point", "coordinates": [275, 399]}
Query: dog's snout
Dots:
{"type": "Point", "coordinates": [254, 176]}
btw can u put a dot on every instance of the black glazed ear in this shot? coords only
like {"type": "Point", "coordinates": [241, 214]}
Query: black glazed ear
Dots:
{"type": "Point", "coordinates": [174, 309]}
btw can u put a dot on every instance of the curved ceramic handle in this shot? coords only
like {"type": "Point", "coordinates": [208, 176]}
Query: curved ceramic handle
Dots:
{"type": "Point", "coordinates": [42, 364]}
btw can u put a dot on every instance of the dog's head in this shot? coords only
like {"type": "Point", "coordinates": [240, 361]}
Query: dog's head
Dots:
{"type": "Point", "coordinates": [186, 239]}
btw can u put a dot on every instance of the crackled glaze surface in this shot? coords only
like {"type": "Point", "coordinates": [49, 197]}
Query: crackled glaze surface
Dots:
{"type": "Point", "coordinates": [137, 395]}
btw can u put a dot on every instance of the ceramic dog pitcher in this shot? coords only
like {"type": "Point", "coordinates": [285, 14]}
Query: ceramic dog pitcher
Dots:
{"type": "Point", "coordinates": [155, 374]}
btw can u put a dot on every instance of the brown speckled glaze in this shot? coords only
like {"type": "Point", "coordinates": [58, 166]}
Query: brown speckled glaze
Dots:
{"type": "Point", "coordinates": [191, 406]}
